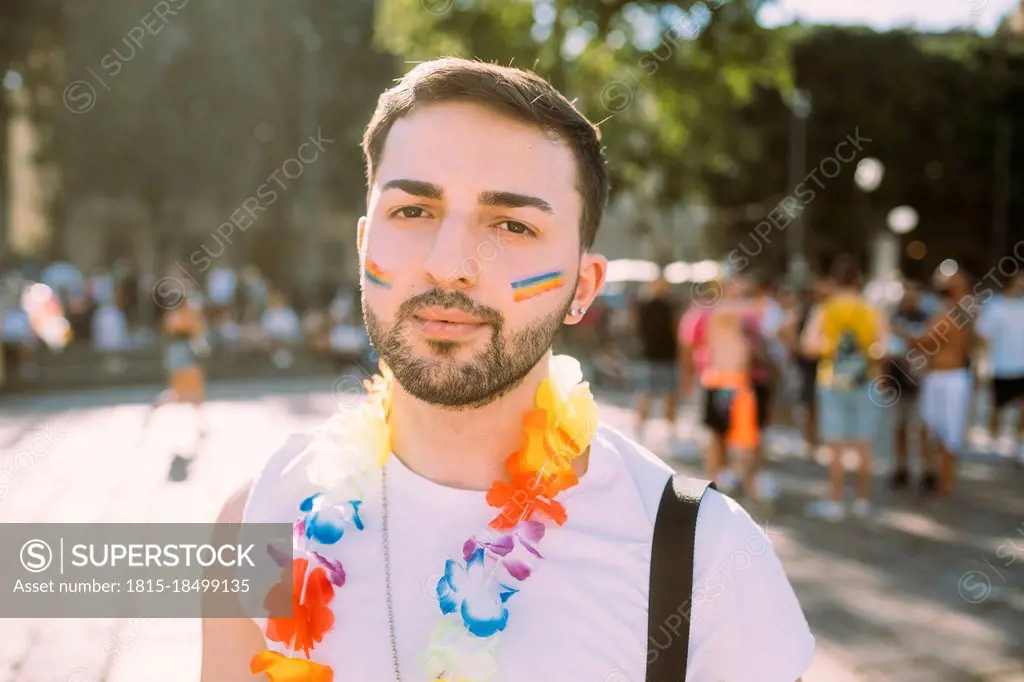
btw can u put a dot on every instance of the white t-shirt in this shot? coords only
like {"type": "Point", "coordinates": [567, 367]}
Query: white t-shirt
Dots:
{"type": "Point", "coordinates": [582, 614]}
{"type": "Point", "coordinates": [1002, 325]}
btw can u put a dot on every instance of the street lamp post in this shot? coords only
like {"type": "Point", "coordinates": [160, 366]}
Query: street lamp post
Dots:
{"type": "Point", "coordinates": [868, 177]}
{"type": "Point", "coordinates": [801, 109]}
{"type": "Point", "coordinates": [901, 221]}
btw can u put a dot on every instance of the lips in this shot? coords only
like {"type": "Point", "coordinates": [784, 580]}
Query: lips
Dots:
{"type": "Point", "coordinates": [447, 324]}
{"type": "Point", "coordinates": [447, 316]}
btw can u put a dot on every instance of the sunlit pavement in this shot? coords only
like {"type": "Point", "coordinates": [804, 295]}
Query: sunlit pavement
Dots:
{"type": "Point", "coordinates": [924, 590]}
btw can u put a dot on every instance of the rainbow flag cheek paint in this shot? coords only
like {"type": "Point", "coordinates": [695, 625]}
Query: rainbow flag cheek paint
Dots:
{"type": "Point", "coordinates": [537, 285]}
{"type": "Point", "coordinates": [376, 274]}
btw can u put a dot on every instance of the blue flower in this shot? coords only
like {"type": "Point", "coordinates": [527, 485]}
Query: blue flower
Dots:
{"type": "Point", "coordinates": [324, 522]}
{"type": "Point", "coordinates": [470, 591]}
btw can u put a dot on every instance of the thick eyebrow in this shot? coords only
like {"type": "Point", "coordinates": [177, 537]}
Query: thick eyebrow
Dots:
{"type": "Point", "coordinates": [417, 188]}
{"type": "Point", "coordinates": [514, 200]}
{"type": "Point", "coordinates": [429, 190]}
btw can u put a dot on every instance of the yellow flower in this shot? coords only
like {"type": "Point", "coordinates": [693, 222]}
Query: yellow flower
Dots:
{"type": "Point", "coordinates": [279, 668]}
{"type": "Point", "coordinates": [568, 401]}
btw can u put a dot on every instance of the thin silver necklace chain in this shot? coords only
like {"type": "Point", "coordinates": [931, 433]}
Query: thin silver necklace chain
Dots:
{"type": "Point", "coordinates": [387, 571]}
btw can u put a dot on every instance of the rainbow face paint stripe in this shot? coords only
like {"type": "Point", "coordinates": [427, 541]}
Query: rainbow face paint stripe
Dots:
{"type": "Point", "coordinates": [537, 285]}
{"type": "Point", "coordinates": [375, 274]}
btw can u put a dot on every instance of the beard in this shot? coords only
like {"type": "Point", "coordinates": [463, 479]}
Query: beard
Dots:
{"type": "Point", "coordinates": [442, 380]}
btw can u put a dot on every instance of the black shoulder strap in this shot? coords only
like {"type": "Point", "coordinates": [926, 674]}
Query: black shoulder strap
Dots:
{"type": "Point", "coordinates": [671, 591]}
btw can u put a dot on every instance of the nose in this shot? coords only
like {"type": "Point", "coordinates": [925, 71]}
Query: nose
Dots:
{"type": "Point", "coordinates": [451, 263]}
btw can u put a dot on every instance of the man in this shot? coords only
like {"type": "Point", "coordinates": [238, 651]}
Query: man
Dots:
{"type": "Point", "coordinates": [726, 339]}
{"type": "Point", "coordinates": [845, 335]}
{"type": "Point", "coordinates": [657, 318]}
{"type": "Point", "coordinates": [807, 365]}
{"type": "Point", "coordinates": [1001, 326]}
{"type": "Point", "coordinates": [945, 352]}
{"type": "Point", "coordinates": [470, 367]}
{"type": "Point", "coordinates": [910, 320]}
{"type": "Point", "coordinates": [769, 360]}
{"type": "Point", "coordinates": [282, 330]}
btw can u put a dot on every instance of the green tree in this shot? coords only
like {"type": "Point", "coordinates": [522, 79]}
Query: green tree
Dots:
{"type": "Point", "coordinates": [664, 79]}
{"type": "Point", "coordinates": [930, 106]}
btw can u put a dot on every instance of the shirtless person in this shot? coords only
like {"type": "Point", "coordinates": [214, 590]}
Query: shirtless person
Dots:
{"type": "Point", "coordinates": [723, 335]}
{"type": "Point", "coordinates": [945, 351]}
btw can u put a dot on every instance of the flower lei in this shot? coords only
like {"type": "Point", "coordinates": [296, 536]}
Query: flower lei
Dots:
{"type": "Point", "coordinates": [347, 455]}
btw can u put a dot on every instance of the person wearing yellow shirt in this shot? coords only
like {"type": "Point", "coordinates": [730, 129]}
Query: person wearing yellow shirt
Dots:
{"type": "Point", "coordinates": [846, 335]}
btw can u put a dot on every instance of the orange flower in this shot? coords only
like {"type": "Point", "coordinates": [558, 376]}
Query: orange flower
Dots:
{"type": "Point", "coordinates": [282, 669]}
{"type": "Point", "coordinates": [311, 617]}
{"type": "Point", "coordinates": [519, 500]}
{"type": "Point", "coordinates": [545, 451]}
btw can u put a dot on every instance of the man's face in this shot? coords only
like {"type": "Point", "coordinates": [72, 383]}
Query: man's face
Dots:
{"type": "Point", "coordinates": [471, 250]}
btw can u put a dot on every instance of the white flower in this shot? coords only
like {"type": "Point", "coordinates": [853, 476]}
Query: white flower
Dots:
{"type": "Point", "coordinates": [349, 445]}
{"type": "Point", "coordinates": [455, 655]}
{"type": "Point", "coordinates": [566, 373]}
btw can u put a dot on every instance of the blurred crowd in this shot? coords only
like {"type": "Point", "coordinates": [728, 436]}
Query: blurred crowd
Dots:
{"type": "Point", "coordinates": [115, 311]}
{"type": "Point", "coordinates": [833, 359]}
{"type": "Point", "coordinates": [853, 371]}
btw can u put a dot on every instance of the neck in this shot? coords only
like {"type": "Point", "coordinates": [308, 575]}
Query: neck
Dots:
{"type": "Point", "coordinates": [462, 449]}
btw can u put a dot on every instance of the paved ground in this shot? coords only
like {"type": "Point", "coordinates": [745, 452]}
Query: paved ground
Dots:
{"type": "Point", "coordinates": [924, 591]}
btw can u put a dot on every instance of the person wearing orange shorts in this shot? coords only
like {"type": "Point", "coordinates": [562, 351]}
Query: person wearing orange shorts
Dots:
{"type": "Point", "coordinates": [730, 397]}
{"type": "Point", "coordinates": [183, 327]}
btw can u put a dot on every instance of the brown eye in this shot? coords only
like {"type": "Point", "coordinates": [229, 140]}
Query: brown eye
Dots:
{"type": "Point", "coordinates": [516, 227]}
{"type": "Point", "coordinates": [407, 212]}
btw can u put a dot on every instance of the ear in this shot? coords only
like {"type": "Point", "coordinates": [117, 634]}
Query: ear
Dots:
{"type": "Point", "coordinates": [593, 271]}
{"type": "Point", "coordinates": [360, 234]}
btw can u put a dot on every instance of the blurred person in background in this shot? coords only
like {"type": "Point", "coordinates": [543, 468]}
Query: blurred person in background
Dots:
{"type": "Point", "coordinates": [767, 356]}
{"type": "Point", "coordinates": [110, 335]}
{"type": "Point", "coordinates": [101, 287]}
{"type": "Point", "coordinates": [19, 340]}
{"type": "Point", "coordinates": [228, 332]}
{"type": "Point", "coordinates": [65, 279]}
{"type": "Point", "coordinates": [184, 333]}
{"type": "Point", "coordinates": [46, 314]}
{"type": "Point", "coordinates": [221, 291]}
{"type": "Point", "coordinates": [807, 364]}
{"type": "Point", "coordinates": [282, 330]}
{"type": "Point", "coordinates": [656, 319]}
{"type": "Point", "coordinates": [128, 282]}
{"type": "Point", "coordinates": [784, 349]}
{"type": "Point", "coordinates": [253, 294]}
{"type": "Point", "coordinates": [910, 320]}
{"type": "Point", "coordinates": [845, 335]}
{"type": "Point", "coordinates": [1001, 328]}
{"type": "Point", "coordinates": [724, 337]}
{"type": "Point", "coordinates": [945, 351]}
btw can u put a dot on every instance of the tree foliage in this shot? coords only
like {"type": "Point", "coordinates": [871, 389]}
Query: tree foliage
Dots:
{"type": "Point", "coordinates": [664, 79]}
{"type": "Point", "coordinates": [931, 106]}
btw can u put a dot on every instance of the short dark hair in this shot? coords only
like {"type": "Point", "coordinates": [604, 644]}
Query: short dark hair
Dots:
{"type": "Point", "coordinates": [846, 271]}
{"type": "Point", "coordinates": [519, 94]}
